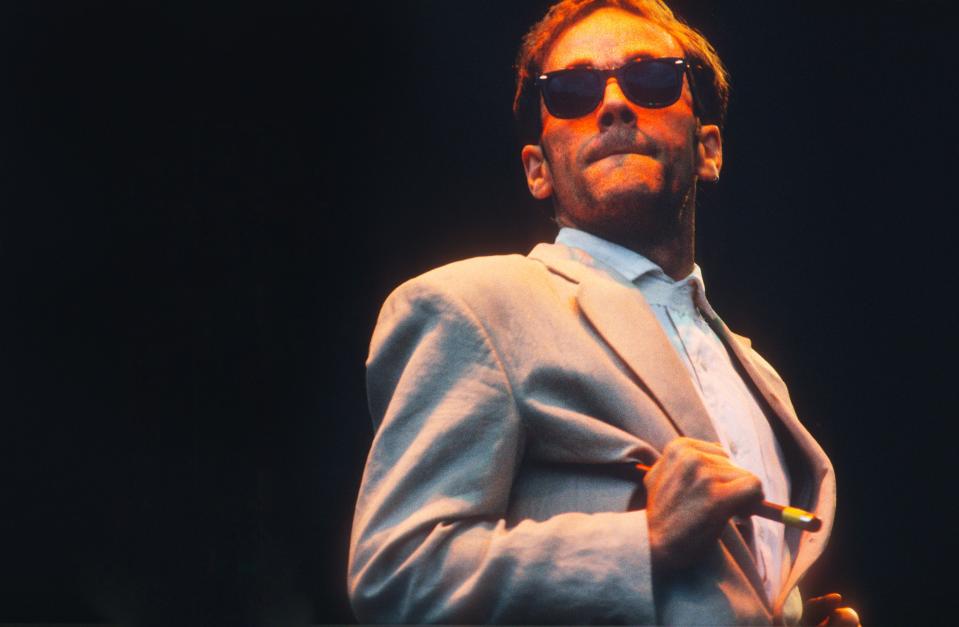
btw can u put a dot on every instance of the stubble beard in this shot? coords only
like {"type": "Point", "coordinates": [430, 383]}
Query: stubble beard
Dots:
{"type": "Point", "coordinates": [641, 218]}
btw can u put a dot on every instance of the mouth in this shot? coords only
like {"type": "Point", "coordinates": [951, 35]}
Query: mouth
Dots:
{"type": "Point", "coordinates": [612, 152]}
{"type": "Point", "coordinates": [615, 148]}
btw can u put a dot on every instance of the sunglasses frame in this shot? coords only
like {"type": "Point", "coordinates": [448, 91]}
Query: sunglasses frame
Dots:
{"type": "Point", "coordinates": [687, 69]}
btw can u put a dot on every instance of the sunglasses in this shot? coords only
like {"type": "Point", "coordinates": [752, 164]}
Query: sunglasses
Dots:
{"type": "Point", "coordinates": [649, 83]}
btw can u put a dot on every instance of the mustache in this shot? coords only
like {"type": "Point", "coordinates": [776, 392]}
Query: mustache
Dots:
{"type": "Point", "coordinates": [618, 143]}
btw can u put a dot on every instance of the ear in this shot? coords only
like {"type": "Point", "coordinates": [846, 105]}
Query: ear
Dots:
{"type": "Point", "coordinates": [709, 160]}
{"type": "Point", "coordinates": [538, 176]}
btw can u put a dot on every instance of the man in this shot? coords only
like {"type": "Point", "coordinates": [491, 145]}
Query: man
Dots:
{"type": "Point", "coordinates": [509, 393]}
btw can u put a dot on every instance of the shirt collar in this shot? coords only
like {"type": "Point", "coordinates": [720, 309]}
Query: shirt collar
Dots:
{"type": "Point", "coordinates": [657, 286]}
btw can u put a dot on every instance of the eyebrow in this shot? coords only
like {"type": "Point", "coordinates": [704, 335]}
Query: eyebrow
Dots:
{"type": "Point", "coordinates": [583, 62]}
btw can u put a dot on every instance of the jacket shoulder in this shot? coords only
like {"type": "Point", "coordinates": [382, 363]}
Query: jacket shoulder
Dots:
{"type": "Point", "coordinates": [501, 297]}
{"type": "Point", "coordinates": [480, 282]}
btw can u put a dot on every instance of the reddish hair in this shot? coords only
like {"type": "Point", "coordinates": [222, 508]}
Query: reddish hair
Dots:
{"type": "Point", "coordinates": [711, 78]}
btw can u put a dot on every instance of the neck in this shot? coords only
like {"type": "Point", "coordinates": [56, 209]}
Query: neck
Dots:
{"type": "Point", "coordinates": [672, 248]}
{"type": "Point", "coordinates": [676, 256]}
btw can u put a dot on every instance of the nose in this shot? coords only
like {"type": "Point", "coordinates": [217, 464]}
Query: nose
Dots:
{"type": "Point", "coordinates": [615, 108]}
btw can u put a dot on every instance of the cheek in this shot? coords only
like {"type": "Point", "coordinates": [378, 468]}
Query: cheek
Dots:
{"type": "Point", "coordinates": [567, 138]}
{"type": "Point", "coordinates": [582, 126]}
{"type": "Point", "coordinates": [560, 154]}
{"type": "Point", "coordinates": [677, 144]}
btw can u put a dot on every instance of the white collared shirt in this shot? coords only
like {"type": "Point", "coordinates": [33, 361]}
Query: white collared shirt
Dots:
{"type": "Point", "coordinates": [743, 429]}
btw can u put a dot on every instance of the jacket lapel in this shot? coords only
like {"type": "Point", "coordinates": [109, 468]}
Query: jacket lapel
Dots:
{"type": "Point", "coordinates": [740, 551]}
{"type": "Point", "coordinates": [821, 482]}
{"type": "Point", "coordinates": [622, 318]}
{"type": "Point", "coordinates": [736, 343]}
{"type": "Point", "coordinates": [625, 321]}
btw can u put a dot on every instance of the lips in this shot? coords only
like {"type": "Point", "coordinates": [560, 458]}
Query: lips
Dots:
{"type": "Point", "coordinates": [614, 148]}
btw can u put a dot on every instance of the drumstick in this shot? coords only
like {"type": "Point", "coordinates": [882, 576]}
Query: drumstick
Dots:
{"type": "Point", "coordinates": [790, 516]}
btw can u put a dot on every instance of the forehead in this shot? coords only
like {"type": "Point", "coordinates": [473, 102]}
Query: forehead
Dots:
{"type": "Point", "coordinates": [608, 38]}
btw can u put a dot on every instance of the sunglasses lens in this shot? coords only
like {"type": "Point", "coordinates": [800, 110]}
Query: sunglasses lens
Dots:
{"type": "Point", "coordinates": [573, 93]}
{"type": "Point", "coordinates": [650, 83]}
{"type": "Point", "coordinates": [653, 83]}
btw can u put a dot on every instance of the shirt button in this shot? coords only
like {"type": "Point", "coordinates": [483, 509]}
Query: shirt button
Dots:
{"type": "Point", "coordinates": [733, 448]}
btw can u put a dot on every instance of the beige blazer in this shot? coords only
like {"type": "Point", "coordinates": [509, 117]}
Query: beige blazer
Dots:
{"type": "Point", "coordinates": [496, 386]}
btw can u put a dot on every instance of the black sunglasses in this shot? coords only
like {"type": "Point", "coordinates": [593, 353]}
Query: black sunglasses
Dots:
{"type": "Point", "coordinates": [649, 83]}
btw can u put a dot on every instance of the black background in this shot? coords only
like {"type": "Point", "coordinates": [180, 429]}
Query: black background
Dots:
{"type": "Point", "coordinates": [203, 206]}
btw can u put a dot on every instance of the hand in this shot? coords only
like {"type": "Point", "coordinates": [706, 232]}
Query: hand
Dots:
{"type": "Point", "coordinates": [826, 611]}
{"type": "Point", "coordinates": [691, 491]}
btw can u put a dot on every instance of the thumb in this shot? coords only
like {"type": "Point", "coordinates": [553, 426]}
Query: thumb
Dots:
{"type": "Point", "coordinates": [843, 617]}
{"type": "Point", "coordinates": [818, 609]}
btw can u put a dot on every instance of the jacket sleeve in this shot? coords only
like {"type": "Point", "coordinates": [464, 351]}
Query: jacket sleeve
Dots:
{"type": "Point", "coordinates": [430, 542]}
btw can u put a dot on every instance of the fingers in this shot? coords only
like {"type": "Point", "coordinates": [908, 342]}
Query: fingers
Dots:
{"type": "Point", "coordinates": [688, 455]}
{"type": "Point", "coordinates": [691, 491]}
{"type": "Point", "coordinates": [846, 617]}
{"type": "Point", "coordinates": [694, 480]}
{"type": "Point", "coordinates": [740, 493]}
{"type": "Point", "coordinates": [825, 611]}
{"type": "Point", "coordinates": [697, 463]}
{"type": "Point", "coordinates": [842, 617]}
{"type": "Point", "coordinates": [732, 476]}
{"type": "Point", "coordinates": [713, 448]}
{"type": "Point", "coordinates": [833, 599]}
{"type": "Point", "coordinates": [818, 609]}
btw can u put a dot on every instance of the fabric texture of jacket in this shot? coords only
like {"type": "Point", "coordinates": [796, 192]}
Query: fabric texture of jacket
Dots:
{"type": "Point", "coordinates": [500, 389]}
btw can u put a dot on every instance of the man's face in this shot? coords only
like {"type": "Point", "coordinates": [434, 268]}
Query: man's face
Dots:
{"type": "Point", "coordinates": [621, 167]}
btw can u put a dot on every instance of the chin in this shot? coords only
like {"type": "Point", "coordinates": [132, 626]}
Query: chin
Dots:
{"type": "Point", "coordinates": [635, 194]}
{"type": "Point", "coordinates": [623, 181]}
{"type": "Point", "coordinates": [637, 209]}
